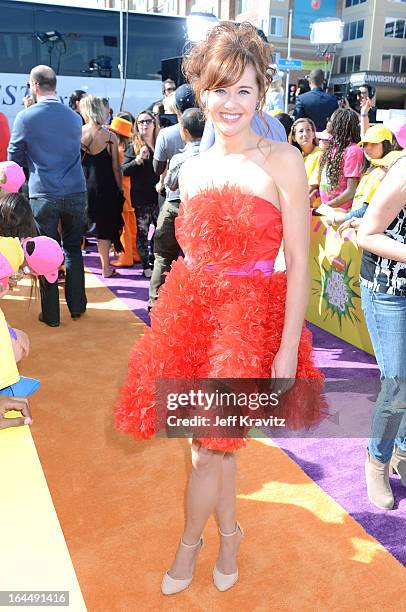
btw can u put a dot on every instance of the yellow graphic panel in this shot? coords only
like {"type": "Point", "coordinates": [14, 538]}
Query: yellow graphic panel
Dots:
{"type": "Point", "coordinates": [33, 551]}
{"type": "Point", "coordinates": [335, 298]}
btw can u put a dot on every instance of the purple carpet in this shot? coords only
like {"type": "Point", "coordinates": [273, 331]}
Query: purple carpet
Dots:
{"type": "Point", "coordinates": [336, 464]}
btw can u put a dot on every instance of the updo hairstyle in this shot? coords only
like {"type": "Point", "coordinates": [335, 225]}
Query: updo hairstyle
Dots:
{"type": "Point", "coordinates": [220, 60]}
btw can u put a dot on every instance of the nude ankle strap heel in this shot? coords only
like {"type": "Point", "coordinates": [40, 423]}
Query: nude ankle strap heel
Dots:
{"type": "Point", "coordinates": [169, 585]}
{"type": "Point", "coordinates": [225, 581]}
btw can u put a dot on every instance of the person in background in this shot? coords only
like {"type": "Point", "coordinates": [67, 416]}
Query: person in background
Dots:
{"type": "Point", "coordinates": [46, 137]}
{"type": "Point", "coordinates": [169, 143]}
{"type": "Point", "coordinates": [397, 125]}
{"type": "Point", "coordinates": [377, 146]}
{"type": "Point", "coordinates": [382, 235]}
{"type": "Point", "coordinates": [286, 120]}
{"type": "Point", "coordinates": [16, 221]}
{"type": "Point", "coordinates": [14, 347]}
{"type": "Point", "coordinates": [316, 104]}
{"type": "Point", "coordinates": [166, 245]}
{"type": "Point", "coordinates": [74, 100]}
{"type": "Point", "coordinates": [274, 95]}
{"type": "Point", "coordinates": [122, 126]}
{"type": "Point", "coordinates": [168, 87]}
{"type": "Point", "coordinates": [158, 110]}
{"type": "Point", "coordinates": [303, 137]}
{"type": "Point", "coordinates": [101, 165]}
{"type": "Point", "coordinates": [42, 256]}
{"type": "Point", "coordinates": [4, 137]}
{"type": "Point", "coordinates": [323, 138]}
{"type": "Point", "coordinates": [341, 165]}
{"type": "Point", "coordinates": [169, 104]}
{"type": "Point", "coordinates": [138, 166]}
{"type": "Point", "coordinates": [109, 111]}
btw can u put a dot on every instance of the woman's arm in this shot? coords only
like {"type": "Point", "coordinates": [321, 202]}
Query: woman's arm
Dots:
{"type": "Point", "coordinates": [365, 108]}
{"type": "Point", "coordinates": [294, 203]}
{"type": "Point", "coordinates": [131, 162]}
{"type": "Point", "coordinates": [347, 195]}
{"type": "Point", "coordinates": [388, 201]}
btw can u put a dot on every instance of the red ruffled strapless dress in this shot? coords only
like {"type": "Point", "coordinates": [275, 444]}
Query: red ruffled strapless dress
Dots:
{"type": "Point", "coordinates": [220, 313]}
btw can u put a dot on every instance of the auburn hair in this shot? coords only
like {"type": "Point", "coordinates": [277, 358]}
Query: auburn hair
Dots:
{"type": "Point", "coordinates": [220, 60]}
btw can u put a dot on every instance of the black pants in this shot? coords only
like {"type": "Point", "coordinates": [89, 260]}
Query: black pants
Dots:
{"type": "Point", "coordinates": [70, 212]}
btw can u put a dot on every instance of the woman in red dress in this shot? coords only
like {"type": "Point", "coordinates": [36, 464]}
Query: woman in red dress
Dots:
{"type": "Point", "coordinates": [223, 312]}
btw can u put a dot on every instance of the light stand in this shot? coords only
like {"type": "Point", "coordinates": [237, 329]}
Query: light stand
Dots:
{"type": "Point", "coordinates": [327, 34]}
{"type": "Point", "coordinates": [53, 40]}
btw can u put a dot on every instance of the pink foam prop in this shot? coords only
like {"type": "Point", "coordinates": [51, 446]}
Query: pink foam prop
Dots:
{"type": "Point", "coordinates": [44, 256]}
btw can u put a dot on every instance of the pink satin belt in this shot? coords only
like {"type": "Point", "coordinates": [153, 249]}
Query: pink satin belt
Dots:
{"type": "Point", "coordinates": [265, 266]}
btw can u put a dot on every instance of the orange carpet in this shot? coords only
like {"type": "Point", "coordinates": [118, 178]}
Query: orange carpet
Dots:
{"type": "Point", "coordinates": [120, 502]}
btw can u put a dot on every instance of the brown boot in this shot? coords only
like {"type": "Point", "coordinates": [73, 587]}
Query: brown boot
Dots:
{"type": "Point", "coordinates": [398, 464]}
{"type": "Point", "coordinates": [377, 478]}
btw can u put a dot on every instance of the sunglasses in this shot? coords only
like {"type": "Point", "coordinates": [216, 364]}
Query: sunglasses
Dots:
{"type": "Point", "coordinates": [170, 89]}
{"type": "Point", "coordinates": [145, 121]}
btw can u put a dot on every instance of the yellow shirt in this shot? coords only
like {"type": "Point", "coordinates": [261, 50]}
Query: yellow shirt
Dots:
{"type": "Point", "coordinates": [8, 368]}
{"type": "Point", "coordinates": [367, 186]}
{"type": "Point", "coordinates": [312, 166]}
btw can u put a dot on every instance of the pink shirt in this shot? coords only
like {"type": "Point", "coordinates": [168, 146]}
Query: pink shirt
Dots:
{"type": "Point", "coordinates": [351, 168]}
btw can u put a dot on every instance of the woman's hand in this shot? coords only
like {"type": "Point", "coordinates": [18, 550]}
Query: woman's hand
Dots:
{"type": "Point", "coordinates": [21, 345]}
{"type": "Point", "coordinates": [159, 187]}
{"type": "Point", "coordinates": [20, 404]}
{"type": "Point", "coordinates": [366, 106]}
{"type": "Point", "coordinates": [335, 218]}
{"type": "Point", "coordinates": [353, 223]}
{"type": "Point", "coordinates": [144, 152]}
{"type": "Point", "coordinates": [284, 369]}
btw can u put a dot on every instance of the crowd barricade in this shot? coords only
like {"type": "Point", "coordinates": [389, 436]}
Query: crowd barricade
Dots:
{"type": "Point", "coordinates": [335, 296]}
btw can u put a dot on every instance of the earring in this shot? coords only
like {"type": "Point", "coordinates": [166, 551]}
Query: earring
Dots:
{"type": "Point", "coordinates": [257, 107]}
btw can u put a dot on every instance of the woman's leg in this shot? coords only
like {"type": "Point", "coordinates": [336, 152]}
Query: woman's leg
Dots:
{"type": "Point", "coordinates": [386, 320]}
{"type": "Point", "coordinates": [226, 517]}
{"type": "Point", "coordinates": [203, 495]}
{"type": "Point", "coordinates": [154, 222]}
{"type": "Point", "coordinates": [142, 216]}
{"type": "Point", "coordinates": [103, 247]}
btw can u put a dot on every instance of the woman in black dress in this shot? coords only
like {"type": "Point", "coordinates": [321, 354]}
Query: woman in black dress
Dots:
{"type": "Point", "coordinates": [101, 166]}
{"type": "Point", "coordinates": [144, 197]}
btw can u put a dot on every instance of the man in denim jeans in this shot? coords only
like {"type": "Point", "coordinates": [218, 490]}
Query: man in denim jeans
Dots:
{"type": "Point", "coordinates": [46, 139]}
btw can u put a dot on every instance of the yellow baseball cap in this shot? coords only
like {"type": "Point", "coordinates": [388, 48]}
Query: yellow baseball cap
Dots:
{"type": "Point", "coordinates": [11, 257]}
{"type": "Point", "coordinates": [376, 133]}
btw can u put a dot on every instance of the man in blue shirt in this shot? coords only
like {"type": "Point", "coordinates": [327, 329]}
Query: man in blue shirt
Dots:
{"type": "Point", "coordinates": [316, 104]}
{"type": "Point", "coordinates": [46, 139]}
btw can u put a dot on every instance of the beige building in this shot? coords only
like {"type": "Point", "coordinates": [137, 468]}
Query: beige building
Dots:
{"type": "Point", "coordinates": [373, 50]}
